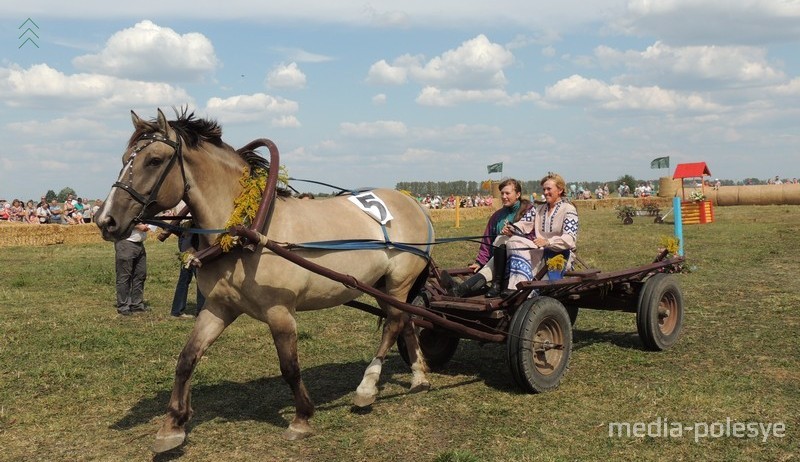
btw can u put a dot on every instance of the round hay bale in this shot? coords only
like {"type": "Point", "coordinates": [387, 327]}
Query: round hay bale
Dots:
{"type": "Point", "coordinates": [768, 194]}
{"type": "Point", "coordinates": [19, 234]}
{"type": "Point", "coordinates": [726, 195]}
{"type": "Point", "coordinates": [497, 202]}
{"type": "Point", "coordinates": [667, 186]}
{"type": "Point", "coordinates": [791, 194]}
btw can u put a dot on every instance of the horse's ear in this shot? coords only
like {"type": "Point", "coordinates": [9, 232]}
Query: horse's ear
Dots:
{"type": "Point", "coordinates": [137, 122]}
{"type": "Point", "coordinates": [163, 126]}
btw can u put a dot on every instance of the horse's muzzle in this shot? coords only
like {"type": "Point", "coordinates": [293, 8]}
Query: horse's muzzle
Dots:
{"type": "Point", "coordinates": [111, 231]}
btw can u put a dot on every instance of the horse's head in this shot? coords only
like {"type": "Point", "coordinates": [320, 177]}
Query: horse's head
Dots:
{"type": "Point", "coordinates": [152, 178]}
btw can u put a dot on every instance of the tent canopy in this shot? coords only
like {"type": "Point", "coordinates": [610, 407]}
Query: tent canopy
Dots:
{"type": "Point", "coordinates": [691, 170]}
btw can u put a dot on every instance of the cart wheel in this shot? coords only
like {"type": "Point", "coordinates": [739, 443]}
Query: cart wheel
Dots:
{"type": "Point", "coordinates": [659, 314]}
{"type": "Point", "coordinates": [437, 346]}
{"type": "Point", "coordinates": [627, 221]}
{"type": "Point", "coordinates": [539, 344]}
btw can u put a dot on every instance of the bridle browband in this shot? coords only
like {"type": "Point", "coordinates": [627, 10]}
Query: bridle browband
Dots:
{"type": "Point", "coordinates": [177, 155]}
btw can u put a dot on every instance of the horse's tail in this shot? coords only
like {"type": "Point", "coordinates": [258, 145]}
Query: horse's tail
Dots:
{"type": "Point", "coordinates": [416, 289]}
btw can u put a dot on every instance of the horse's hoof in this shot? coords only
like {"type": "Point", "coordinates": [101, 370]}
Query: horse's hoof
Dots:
{"type": "Point", "coordinates": [169, 442]}
{"type": "Point", "coordinates": [297, 432]}
{"type": "Point", "coordinates": [420, 387]}
{"type": "Point", "coordinates": [363, 400]}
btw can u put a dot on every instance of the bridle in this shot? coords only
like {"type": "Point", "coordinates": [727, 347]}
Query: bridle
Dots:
{"type": "Point", "coordinates": [177, 155]}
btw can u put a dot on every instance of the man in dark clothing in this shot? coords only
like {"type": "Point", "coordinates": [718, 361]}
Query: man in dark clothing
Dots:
{"type": "Point", "coordinates": [186, 242]}
{"type": "Point", "coordinates": [131, 267]}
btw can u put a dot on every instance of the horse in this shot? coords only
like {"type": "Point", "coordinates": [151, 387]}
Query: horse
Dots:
{"type": "Point", "coordinates": [259, 283]}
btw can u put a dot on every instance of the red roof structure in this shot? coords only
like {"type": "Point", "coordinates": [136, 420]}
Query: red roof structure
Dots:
{"type": "Point", "coordinates": [691, 170]}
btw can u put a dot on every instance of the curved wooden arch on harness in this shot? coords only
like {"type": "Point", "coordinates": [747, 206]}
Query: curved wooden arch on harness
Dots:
{"type": "Point", "coordinates": [266, 206]}
{"type": "Point", "coordinates": [263, 218]}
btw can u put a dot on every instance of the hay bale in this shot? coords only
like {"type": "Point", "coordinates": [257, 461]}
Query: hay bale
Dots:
{"type": "Point", "coordinates": [758, 195]}
{"type": "Point", "coordinates": [667, 186]}
{"type": "Point", "coordinates": [85, 233]}
{"type": "Point", "coordinates": [26, 235]}
{"type": "Point", "coordinates": [469, 213]}
{"type": "Point", "coordinates": [725, 195]}
{"type": "Point", "coordinates": [791, 194]}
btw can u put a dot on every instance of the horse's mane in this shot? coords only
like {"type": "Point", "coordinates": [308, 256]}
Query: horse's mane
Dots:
{"type": "Point", "coordinates": [194, 130]}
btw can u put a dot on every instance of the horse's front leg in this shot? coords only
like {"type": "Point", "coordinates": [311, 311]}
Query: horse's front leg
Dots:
{"type": "Point", "coordinates": [284, 333]}
{"type": "Point", "coordinates": [209, 325]}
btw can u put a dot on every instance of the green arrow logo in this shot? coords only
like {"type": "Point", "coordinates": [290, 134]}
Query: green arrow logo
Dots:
{"type": "Point", "coordinates": [28, 33]}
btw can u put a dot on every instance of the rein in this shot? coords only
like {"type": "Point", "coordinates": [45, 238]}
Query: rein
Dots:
{"type": "Point", "coordinates": [177, 155]}
{"type": "Point", "coordinates": [263, 216]}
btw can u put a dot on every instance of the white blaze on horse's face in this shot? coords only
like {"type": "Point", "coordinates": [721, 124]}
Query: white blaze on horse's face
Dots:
{"type": "Point", "coordinates": [108, 204]}
{"type": "Point", "coordinates": [146, 182]}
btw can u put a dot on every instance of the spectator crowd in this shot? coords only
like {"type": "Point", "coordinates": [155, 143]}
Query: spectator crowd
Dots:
{"type": "Point", "coordinates": [72, 211]}
{"type": "Point", "coordinates": [437, 202]}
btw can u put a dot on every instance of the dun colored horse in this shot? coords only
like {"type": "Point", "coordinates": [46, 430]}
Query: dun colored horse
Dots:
{"type": "Point", "coordinates": [185, 159]}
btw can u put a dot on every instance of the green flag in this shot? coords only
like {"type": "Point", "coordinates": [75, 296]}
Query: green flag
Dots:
{"type": "Point", "coordinates": [495, 168]}
{"type": "Point", "coordinates": [660, 162]}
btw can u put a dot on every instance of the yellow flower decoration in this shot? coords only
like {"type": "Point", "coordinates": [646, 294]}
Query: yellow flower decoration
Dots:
{"type": "Point", "coordinates": [246, 205]}
{"type": "Point", "coordinates": [557, 263]}
{"type": "Point", "coordinates": [671, 243]}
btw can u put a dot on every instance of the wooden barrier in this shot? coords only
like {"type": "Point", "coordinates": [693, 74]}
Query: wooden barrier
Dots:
{"type": "Point", "coordinates": [697, 212]}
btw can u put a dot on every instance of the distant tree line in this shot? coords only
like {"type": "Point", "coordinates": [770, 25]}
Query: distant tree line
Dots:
{"type": "Point", "coordinates": [462, 188]}
{"type": "Point", "coordinates": [60, 197]}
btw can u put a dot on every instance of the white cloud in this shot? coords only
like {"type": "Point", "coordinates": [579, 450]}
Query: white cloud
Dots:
{"type": "Point", "coordinates": [299, 55]}
{"type": "Point", "coordinates": [690, 65]}
{"type": "Point", "coordinates": [713, 21]}
{"type": "Point", "coordinates": [249, 108]}
{"type": "Point", "coordinates": [432, 96]}
{"type": "Point", "coordinates": [41, 85]}
{"type": "Point", "coordinates": [477, 63]}
{"type": "Point", "coordinates": [382, 72]}
{"type": "Point", "coordinates": [379, 99]}
{"type": "Point", "coordinates": [57, 128]}
{"type": "Point", "coordinates": [393, 18]}
{"type": "Point", "coordinates": [580, 90]}
{"type": "Point", "coordinates": [286, 76]}
{"type": "Point", "coordinates": [442, 14]}
{"type": "Point", "coordinates": [419, 155]}
{"type": "Point", "coordinates": [791, 88]}
{"type": "Point", "coordinates": [286, 121]}
{"type": "Point", "coordinates": [377, 129]}
{"type": "Point", "coordinates": [147, 51]}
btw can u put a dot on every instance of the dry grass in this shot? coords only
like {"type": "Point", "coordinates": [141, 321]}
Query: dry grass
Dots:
{"type": "Point", "coordinates": [80, 383]}
{"type": "Point", "coordinates": [25, 235]}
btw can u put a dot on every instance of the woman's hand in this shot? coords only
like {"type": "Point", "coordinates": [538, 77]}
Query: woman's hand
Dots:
{"type": "Point", "coordinates": [541, 242]}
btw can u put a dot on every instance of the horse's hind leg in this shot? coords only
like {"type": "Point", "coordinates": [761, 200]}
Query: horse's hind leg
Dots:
{"type": "Point", "coordinates": [419, 369]}
{"type": "Point", "coordinates": [209, 325]}
{"type": "Point", "coordinates": [396, 322]}
{"type": "Point", "coordinates": [283, 327]}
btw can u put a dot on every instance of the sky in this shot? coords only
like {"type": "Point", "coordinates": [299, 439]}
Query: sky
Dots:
{"type": "Point", "coordinates": [372, 93]}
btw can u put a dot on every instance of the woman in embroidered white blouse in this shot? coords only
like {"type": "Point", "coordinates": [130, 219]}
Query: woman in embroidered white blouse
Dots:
{"type": "Point", "coordinates": [555, 228]}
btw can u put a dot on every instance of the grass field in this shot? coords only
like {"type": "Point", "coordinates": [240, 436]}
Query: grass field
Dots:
{"type": "Point", "coordinates": [78, 382]}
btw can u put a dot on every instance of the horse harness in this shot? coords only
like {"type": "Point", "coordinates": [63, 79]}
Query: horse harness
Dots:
{"type": "Point", "coordinates": [177, 155]}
